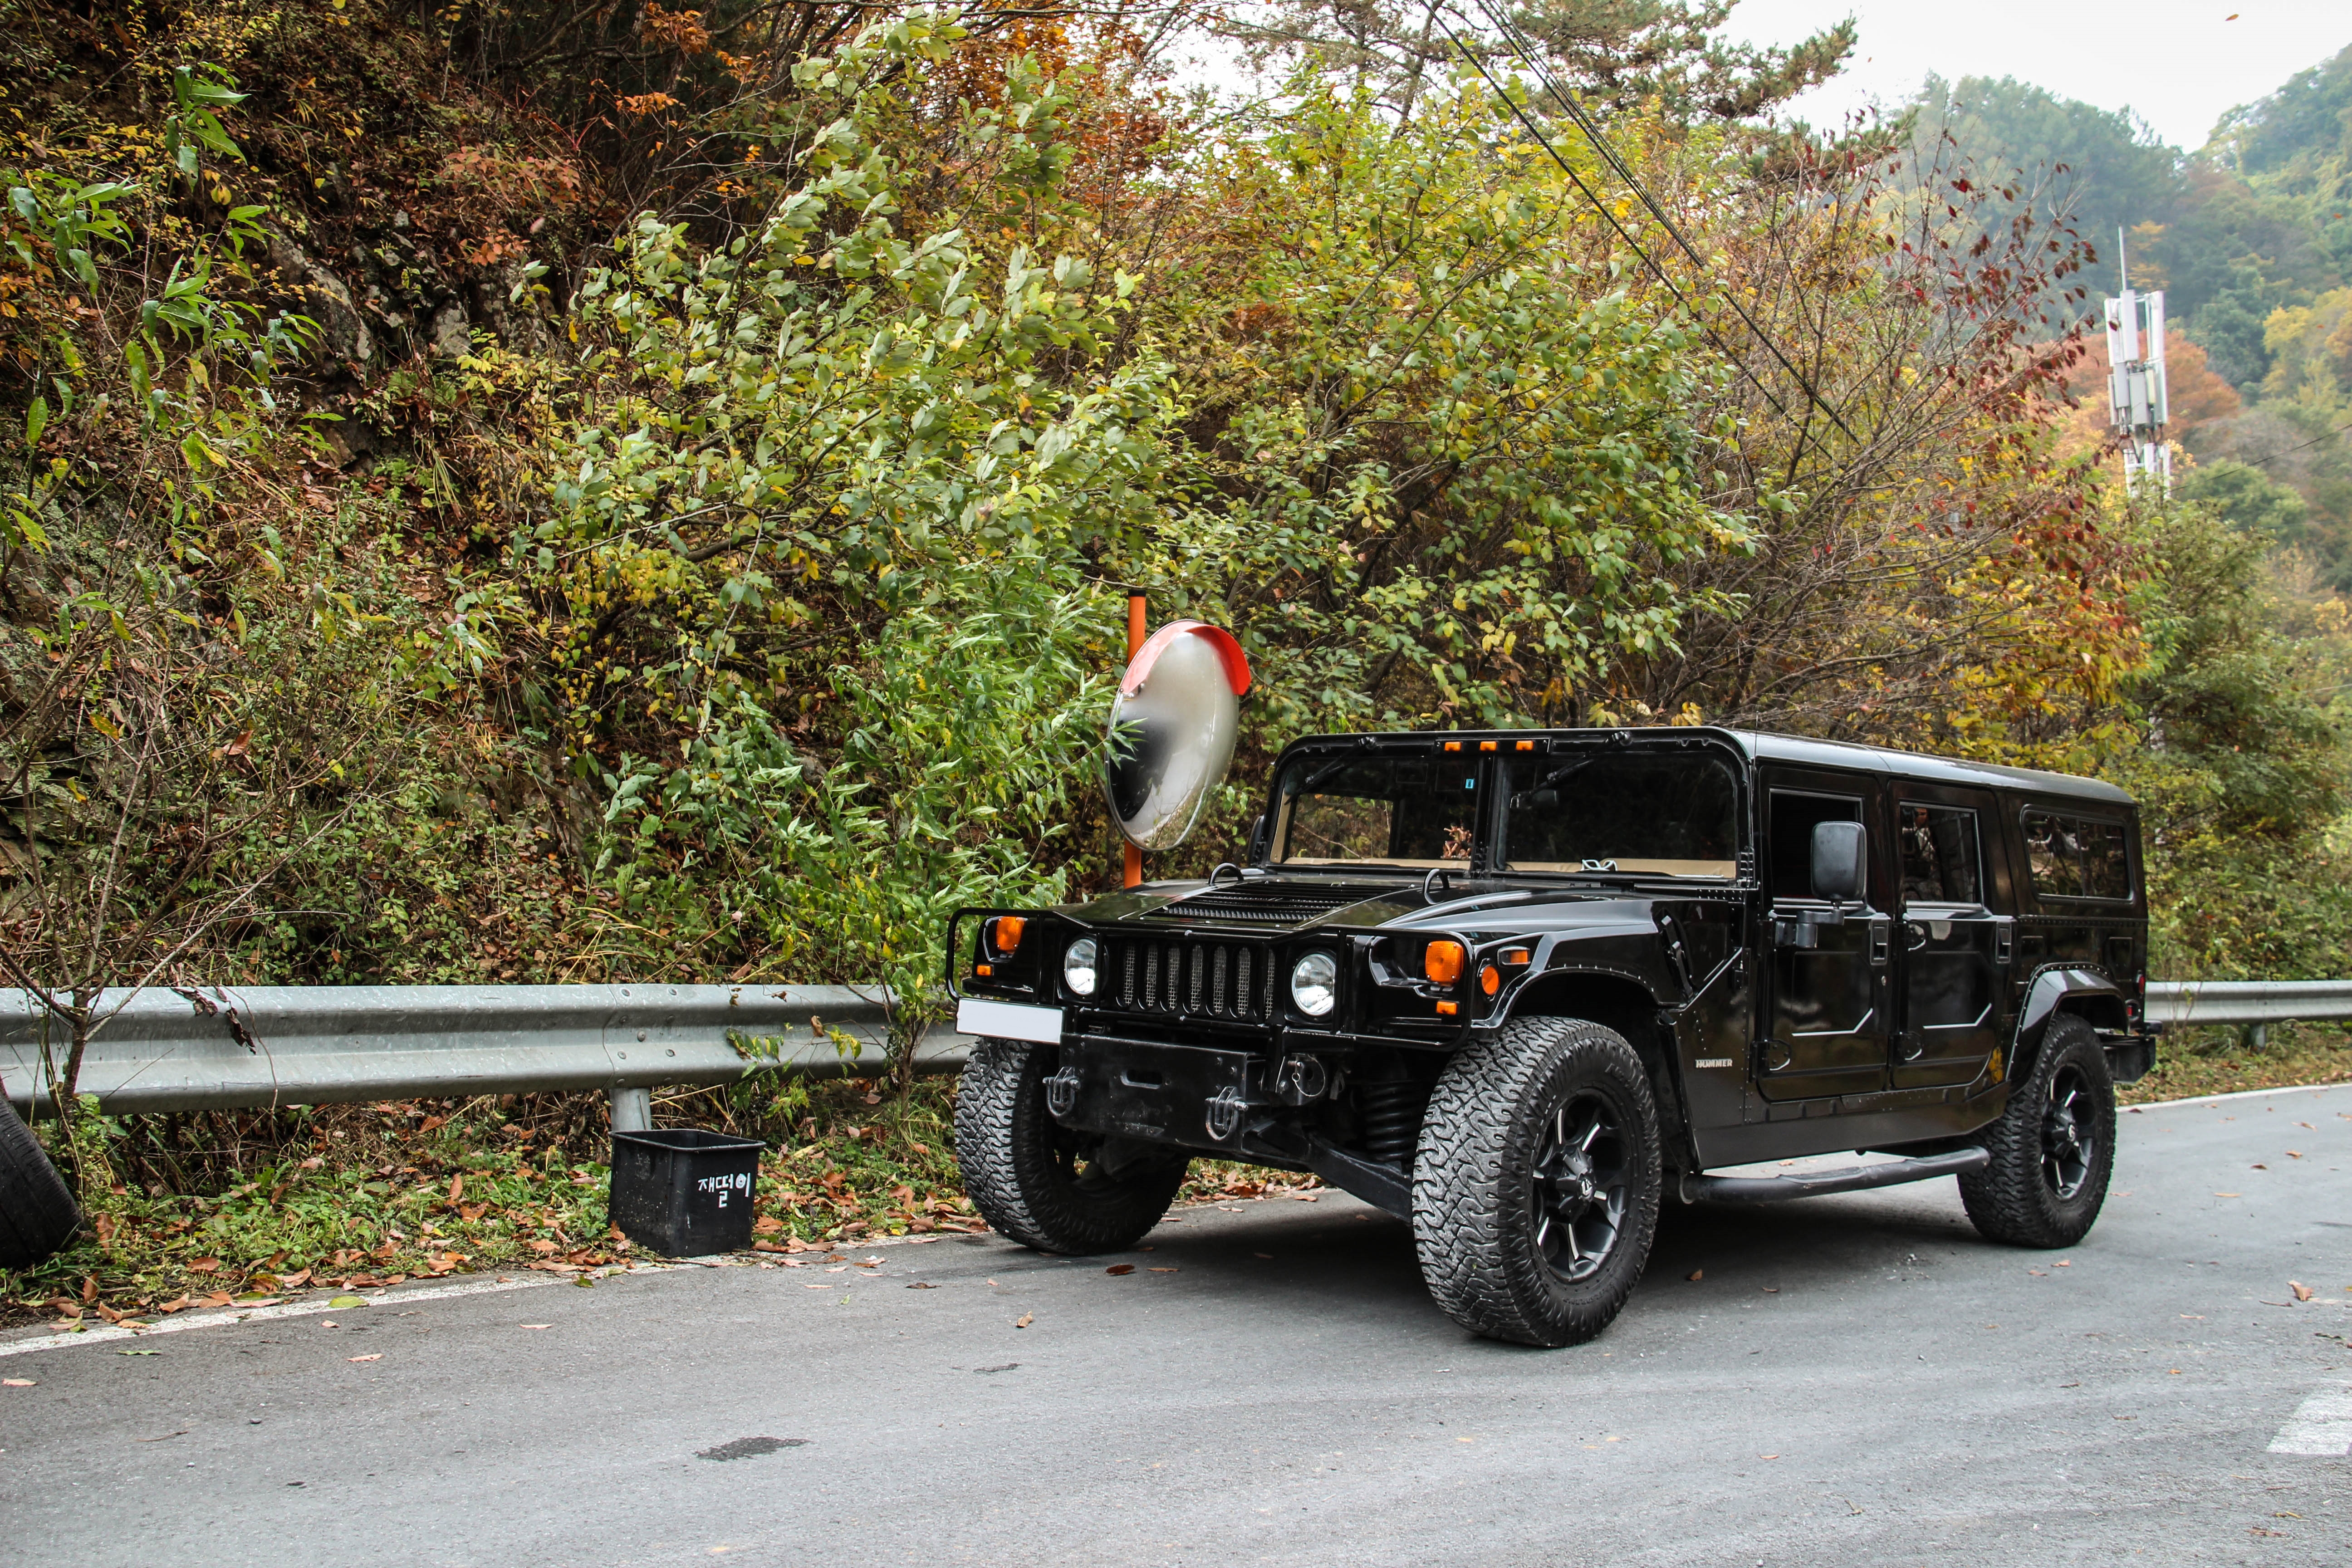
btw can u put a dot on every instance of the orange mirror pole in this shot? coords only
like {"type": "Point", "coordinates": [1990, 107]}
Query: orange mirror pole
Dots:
{"type": "Point", "coordinates": [1131, 868]}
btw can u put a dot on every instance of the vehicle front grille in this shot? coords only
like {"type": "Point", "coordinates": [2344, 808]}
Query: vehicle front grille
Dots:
{"type": "Point", "coordinates": [1229, 981]}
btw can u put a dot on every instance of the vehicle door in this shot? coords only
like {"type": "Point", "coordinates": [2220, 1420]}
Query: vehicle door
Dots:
{"type": "Point", "coordinates": [1827, 1028]}
{"type": "Point", "coordinates": [1953, 943]}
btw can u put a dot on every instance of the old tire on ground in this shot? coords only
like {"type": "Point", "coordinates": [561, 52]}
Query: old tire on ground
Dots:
{"type": "Point", "coordinates": [2052, 1150]}
{"type": "Point", "coordinates": [1536, 1186]}
{"type": "Point", "coordinates": [37, 1214]}
{"type": "Point", "coordinates": [1040, 1183]}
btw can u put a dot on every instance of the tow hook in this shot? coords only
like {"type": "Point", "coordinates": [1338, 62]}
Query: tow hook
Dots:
{"type": "Point", "coordinates": [1302, 1080]}
{"type": "Point", "coordinates": [1225, 1112]}
{"type": "Point", "coordinates": [1062, 1091]}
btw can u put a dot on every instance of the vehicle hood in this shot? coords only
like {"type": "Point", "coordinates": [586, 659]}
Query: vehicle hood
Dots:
{"type": "Point", "coordinates": [1281, 906]}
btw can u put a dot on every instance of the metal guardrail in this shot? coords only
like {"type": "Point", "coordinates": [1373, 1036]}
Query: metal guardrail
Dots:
{"type": "Point", "coordinates": [2247, 1002]}
{"type": "Point", "coordinates": [316, 1045]}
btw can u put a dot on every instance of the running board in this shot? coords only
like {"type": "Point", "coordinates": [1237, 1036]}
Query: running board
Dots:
{"type": "Point", "coordinates": [1382, 1186]}
{"type": "Point", "coordinates": [1854, 1179]}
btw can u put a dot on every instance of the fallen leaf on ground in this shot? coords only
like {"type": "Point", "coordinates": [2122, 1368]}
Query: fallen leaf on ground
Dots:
{"type": "Point", "coordinates": [538, 1325]}
{"type": "Point", "coordinates": [1267, 1256]}
{"type": "Point", "coordinates": [348, 1301]}
{"type": "Point", "coordinates": [2226, 1194]}
{"type": "Point", "coordinates": [820, 1285]}
{"type": "Point", "coordinates": [922, 1285]}
{"type": "Point", "coordinates": [377, 1356]}
{"type": "Point", "coordinates": [1695, 1274]}
{"type": "Point", "coordinates": [1159, 1270]}
{"type": "Point", "coordinates": [2064, 1263]}
{"type": "Point", "coordinates": [1305, 1197]}
{"type": "Point", "coordinates": [15, 1383]}
{"type": "Point", "coordinates": [2295, 1154]}
{"type": "Point", "coordinates": [1120, 1268]}
{"type": "Point", "coordinates": [766, 1246]}
{"type": "Point", "coordinates": [1025, 1320]}
{"type": "Point", "coordinates": [2261, 1167]}
{"type": "Point", "coordinates": [201, 1266]}
{"type": "Point", "coordinates": [1768, 1455]}
{"type": "Point", "coordinates": [138, 1352]}
{"type": "Point", "coordinates": [2302, 1291]}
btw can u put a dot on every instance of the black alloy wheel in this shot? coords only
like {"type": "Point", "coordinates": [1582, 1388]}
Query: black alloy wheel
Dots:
{"type": "Point", "coordinates": [2070, 1138]}
{"type": "Point", "coordinates": [2053, 1149]}
{"type": "Point", "coordinates": [1536, 1181]}
{"type": "Point", "coordinates": [1581, 1187]}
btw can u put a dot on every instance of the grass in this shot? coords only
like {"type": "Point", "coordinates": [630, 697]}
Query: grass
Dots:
{"type": "Point", "coordinates": [2196, 1062]}
{"type": "Point", "coordinates": [213, 1207]}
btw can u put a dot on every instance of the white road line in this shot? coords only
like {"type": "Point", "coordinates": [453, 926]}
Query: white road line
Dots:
{"type": "Point", "coordinates": [2235, 1094]}
{"type": "Point", "coordinates": [107, 1332]}
{"type": "Point", "coordinates": [2321, 1424]}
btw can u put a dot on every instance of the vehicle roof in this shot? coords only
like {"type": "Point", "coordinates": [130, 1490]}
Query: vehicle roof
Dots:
{"type": "Point", "coordinates": [1765, 746]}
{"type": "Point", "coordinates": [1762, 745]}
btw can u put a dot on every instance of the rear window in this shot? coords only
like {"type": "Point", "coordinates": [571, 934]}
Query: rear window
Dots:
{"type": "Point", "coordinates": [2071, 857]}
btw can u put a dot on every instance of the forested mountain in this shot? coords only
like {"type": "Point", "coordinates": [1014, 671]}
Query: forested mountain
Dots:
{"type": "Point", "coordinates": [537, 492]}
{"type": "Point", "coordinates": [2251, 238]}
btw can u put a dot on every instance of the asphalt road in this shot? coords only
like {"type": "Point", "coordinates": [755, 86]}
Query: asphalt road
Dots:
{"type": "Point", "coordinates": [1854, 1380]}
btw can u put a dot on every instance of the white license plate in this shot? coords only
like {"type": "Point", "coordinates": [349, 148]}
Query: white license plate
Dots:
{"type": "Point", "coordinates": [1008, 1020]}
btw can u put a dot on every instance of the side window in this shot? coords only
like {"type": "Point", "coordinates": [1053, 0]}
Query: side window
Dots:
{"type": "Point", "coordinates": [1789, 837]}
{"type": "Point", "coordinates": [2072, 856]}
{"type": "Point", "coordinates": [1940, 863]}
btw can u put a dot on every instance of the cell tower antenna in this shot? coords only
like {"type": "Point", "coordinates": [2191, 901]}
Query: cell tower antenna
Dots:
{"type": "Point", "coordinates": [2136, 389]}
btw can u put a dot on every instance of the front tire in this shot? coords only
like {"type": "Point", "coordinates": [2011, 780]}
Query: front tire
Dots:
{"type": "Point", "coordinates": [2052, 1150]}
{"type": "Point", "coordinates": [1536, 1185]}
{"type": "Point", "coordinates": [1041, 1183]}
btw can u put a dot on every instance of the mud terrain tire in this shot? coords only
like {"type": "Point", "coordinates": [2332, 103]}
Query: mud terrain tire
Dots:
{"type": "Point", "coordinates": [2054, 1149]}
{"type": "Point", "coordinates": [1038, 1182]}
{"type": "Point", "coordinates": [37, 1213]}
{"type": "Point", "coordinates": [1536, 1185]}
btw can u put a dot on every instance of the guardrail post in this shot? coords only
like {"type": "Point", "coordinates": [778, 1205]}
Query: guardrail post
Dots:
{"type": "Point", "coordinates": [633, 1109]}
{"type": "Point", "coordinates": [2255, 1037]}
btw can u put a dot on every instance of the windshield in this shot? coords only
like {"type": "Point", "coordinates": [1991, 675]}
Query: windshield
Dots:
{"type": "Point", "coordinates": [1663, 815]}
{"type": "Point", "coordinates": [1398, 811]}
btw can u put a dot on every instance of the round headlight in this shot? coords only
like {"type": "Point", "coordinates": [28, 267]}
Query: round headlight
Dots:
{"type": "Point", "coordinates": [1315, 983]}
{"type": "Point", "coordinates": [1078, 967]}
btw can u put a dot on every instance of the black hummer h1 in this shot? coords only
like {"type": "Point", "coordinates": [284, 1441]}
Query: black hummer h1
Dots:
{"type": "Point", "coordinates": [1519, 987]}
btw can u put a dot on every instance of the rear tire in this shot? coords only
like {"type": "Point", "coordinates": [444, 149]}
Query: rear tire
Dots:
{"type": "Point", "coordinates": [2052, 1150]}
{"type": "Point", "coordinates": [1536, 1186]}
{"type": "Point", "coordinates": [37, 1213]}
{"type": "Point", "coordinates": [1038, 1182]}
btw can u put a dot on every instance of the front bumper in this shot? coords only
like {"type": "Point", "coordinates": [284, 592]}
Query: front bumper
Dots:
{"type": "Point", "coordinates": [1194, 1096]}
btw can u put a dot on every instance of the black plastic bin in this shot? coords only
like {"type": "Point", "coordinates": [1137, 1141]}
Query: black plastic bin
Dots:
{"type": "Point", "coordinates": [682, 1192]}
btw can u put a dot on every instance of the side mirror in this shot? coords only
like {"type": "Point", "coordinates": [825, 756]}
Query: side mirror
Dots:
{"type": "Point", "coordinates": [1258, 845]}
{"type": "Point", "coordinates": [1840, 861]}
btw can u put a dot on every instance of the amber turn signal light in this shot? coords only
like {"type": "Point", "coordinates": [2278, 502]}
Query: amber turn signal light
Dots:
{"type": "Point", "coordinates": [1515, 956]}
{"type": "Point", "coordinates": [1490, 979]}
{"type": "Point", "coordinates": [1447, 1009]}
{"type": "Point", "coordinates": [1003, 934]}
{"type": "Point", "coordinates": [983, 970]}
{"type": "Point", "coordinates": [1443, 963]}
{"type": "Point", "coordinates": [1452, 745]}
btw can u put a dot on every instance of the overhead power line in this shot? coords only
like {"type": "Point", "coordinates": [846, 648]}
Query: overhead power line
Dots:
{"type": "Point", "coordinates": [1600, 145]}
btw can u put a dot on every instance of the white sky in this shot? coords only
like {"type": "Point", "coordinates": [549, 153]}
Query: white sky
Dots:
{"type": "Point", "coordinates": [2177, 62]}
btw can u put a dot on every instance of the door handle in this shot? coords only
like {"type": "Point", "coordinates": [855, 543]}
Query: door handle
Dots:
{"type": "Point", "coordinates": [1882, 940]}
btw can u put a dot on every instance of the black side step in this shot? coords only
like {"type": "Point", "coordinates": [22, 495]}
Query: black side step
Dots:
{"type": "Point", "coordinates": [1854, 1179]}
{"type": "Point", "coordinates": [1382, 1186]}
